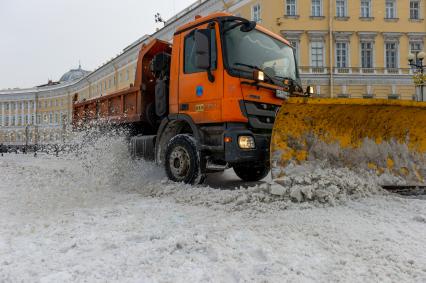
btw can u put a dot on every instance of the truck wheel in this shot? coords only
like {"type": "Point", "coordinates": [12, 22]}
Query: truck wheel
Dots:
{"type": "Point", "coordinates": [182, 161]}
{"type": "Point", "coordinates": [251, 173]}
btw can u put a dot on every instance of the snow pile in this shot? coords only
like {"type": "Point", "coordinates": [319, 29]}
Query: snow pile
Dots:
{"type": "Point", "coordinates": [326, 185]}
{"type": "Point", "coordinates": [321, 187]}
{"type": "Point", "coordinates": [256, 197]}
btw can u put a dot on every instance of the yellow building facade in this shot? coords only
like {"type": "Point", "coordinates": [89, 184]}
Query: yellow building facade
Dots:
{"type": "Point", "coordinates": [348, 48]}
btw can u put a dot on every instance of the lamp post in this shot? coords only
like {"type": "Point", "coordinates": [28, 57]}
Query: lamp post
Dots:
{"type": "Point", "coordinates": [416, 61]}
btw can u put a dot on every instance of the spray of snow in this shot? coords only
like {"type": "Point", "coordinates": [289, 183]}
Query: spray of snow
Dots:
{"type": "Point", "coordinates": [101, 160]}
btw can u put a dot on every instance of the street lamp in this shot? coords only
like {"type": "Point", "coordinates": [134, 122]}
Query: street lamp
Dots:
{"type": "Point", "coordinates": [416, 61]}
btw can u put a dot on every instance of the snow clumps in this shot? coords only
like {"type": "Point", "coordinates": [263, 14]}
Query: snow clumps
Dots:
{"type": "Point", "coordinates": [325, 185]}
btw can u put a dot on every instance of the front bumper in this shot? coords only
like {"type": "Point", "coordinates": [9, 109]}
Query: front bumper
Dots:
{"type": "Point", "coordinates": [234, 154]}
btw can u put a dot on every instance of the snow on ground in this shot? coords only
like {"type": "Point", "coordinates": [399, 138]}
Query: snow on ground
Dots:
{"type": "Point", "coordinates": [101, 217]}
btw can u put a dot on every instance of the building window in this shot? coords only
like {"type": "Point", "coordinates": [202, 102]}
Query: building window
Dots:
{"type": "Point", "coordinates": [50, 118]}
{"type": "Point", "coordinates": [367, 55]}
{"type": "Point", "coordinates": [1, 120]}
{"type": "Point", "coordinates": [256, 13]}
{"type": "Point", "coordinates": [127, 75]}
{"type": "Point", "coordinates": [365, 8]}
{"type": "Point", "coordinates": [56, 118]}
{"type": "Point", "coordinates": [109, 83]}
{"type": "Point", "coordinates": [390, 9]}
{"type": "Point", "coordinates": [6, 121]}
{"type": "Point", "coordinates": [6, 105]}
{"type": "Point", "coordinates": [415, 48]}
{"type": "Point", "coordinates": [13, 121]}
{"type": "Point", "coordinates": [317, 54]}
{"type": "Point", "coordinates": [316, 8]}
{"type": "Point", "coordinates": [415, 10]}
{"type": "Point", "coordinates": [342, 55]}
{"type": "Point", "coordinates": [26, 120]}
{"type": "Point", "coordinates": [341, 8]}
{"type": "Point", "coordinates": [291, 7]}
{"type": "Point", "coordinates": [391, 55]}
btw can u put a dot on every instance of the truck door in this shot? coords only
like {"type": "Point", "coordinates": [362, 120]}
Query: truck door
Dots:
{"type": "Point", "coordinates": [198, 96]}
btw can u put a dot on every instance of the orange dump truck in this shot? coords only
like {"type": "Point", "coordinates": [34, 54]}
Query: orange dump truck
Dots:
{"type": "Point", "coordinates": [206, 102]}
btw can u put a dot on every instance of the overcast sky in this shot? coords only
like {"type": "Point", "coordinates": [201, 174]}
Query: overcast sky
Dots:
{"type": "Point", "coordinates": [43, 39]}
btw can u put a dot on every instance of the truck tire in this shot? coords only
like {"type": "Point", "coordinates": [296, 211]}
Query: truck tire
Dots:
{"type": "Point", "coordinates": [182, 162]}
{"type": "Point", "coordinates": [251, 173]}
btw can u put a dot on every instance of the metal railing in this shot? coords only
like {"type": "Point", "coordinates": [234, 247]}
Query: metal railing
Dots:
{"type": "Point", "coordinates": [355, 70]}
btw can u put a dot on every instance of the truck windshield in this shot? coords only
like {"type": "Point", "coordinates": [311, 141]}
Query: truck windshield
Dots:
{"type": "Point", "coordinates": [257, 49]}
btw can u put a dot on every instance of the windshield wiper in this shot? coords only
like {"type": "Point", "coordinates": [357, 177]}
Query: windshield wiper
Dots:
{"type": "Point", "coordinates": [258, 69]}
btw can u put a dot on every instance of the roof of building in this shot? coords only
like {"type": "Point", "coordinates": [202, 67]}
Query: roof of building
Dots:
{"type": "Point", "coordinates": [74, 74]}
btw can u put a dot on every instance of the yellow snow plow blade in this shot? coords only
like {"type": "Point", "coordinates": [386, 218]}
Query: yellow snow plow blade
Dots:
{"type": "Point", "coordinates": [384, 136]}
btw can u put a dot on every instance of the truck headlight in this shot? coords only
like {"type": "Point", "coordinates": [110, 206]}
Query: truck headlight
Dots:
{"type": "Point", "coordinates": [246, 142]}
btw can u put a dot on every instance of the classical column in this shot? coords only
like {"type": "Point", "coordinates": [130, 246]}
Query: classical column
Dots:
{"type": "Point", "coordinates": [3, 122]}
{"type": "Point", "coordinates": [29, 112]}
{"type": "Point", "coordinates": [16, 114]}
{"type": "Point", "coordinates": [22, 113]}
{"type": "Point", "coordinates": [35, 111]}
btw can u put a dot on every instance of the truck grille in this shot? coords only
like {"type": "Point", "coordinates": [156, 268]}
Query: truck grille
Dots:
{"type": "Point", "coordinates": [261, 115]}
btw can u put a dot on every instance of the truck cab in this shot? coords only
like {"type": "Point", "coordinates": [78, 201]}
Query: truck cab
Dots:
{"type": "Point", "coordinates": [228, 79]}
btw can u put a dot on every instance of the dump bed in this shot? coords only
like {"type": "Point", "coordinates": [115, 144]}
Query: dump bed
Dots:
{"type": "Point", "coordinates": [127, 105]}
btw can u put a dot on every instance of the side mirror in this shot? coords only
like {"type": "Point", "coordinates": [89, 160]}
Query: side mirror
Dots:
{"type": "Point", "coordinates": [202, 49]}
{"type": "Point", "coordinates": [248, 26]}
{"type": "Point", "coordinates": [309, 91]}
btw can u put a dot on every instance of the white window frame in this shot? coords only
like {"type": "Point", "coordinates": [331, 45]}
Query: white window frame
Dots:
{"type": "Point", "coordinates": [256, 15]}
{"type": "Point", "coordinates": [373, 55]}
{"type": "Point", "coordinates": [320, 9]}
{"type": "Point", "coordinates": [416, 51]}
{"type": "Point", "coordinates": [396, 57]}
{"type": "Point", "coordinates": [370, 14]}
{"type": "Point", "coordinates": [291, 5]}
{"type": "Point", "coordinates": [393, 9]}
{"type": "Point", "coordinates": [311, 59]}
{"type": "Point", "coordinates": [347, 57]}
{"type": "Point", "coordinates": [418, 9]}
{"type": "Point", "coordinates": [345, 9]}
